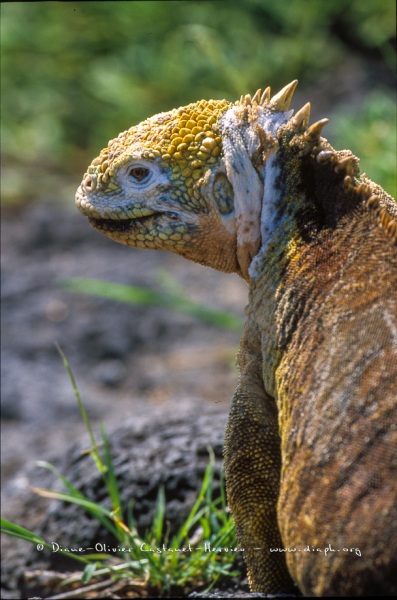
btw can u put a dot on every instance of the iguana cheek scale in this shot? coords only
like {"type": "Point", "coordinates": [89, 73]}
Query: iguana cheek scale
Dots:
{"type": "Point", "coordinates": [310, 446]}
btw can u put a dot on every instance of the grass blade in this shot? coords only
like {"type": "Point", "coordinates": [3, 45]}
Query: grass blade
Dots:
{"type": "Point", "coordinates": [171, 299]}
{"type": "Point", "coordinates": [14, 530]}
{"type": "Point", "coordinates": [94, 452]}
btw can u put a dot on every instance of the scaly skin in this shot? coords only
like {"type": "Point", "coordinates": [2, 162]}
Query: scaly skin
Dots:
{"type": "Point", "coordinates": [310, 448]}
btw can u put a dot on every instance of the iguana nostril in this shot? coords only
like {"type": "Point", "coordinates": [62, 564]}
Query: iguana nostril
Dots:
{"type": "Point", "coordinates": [89, 183]}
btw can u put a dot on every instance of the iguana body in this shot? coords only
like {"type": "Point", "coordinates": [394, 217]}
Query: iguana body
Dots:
{"type": "Point", "coordinates": [311, 441]}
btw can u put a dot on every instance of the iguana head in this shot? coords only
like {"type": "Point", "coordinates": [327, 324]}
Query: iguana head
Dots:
{"type": "Point", "coordinates": [191, 180]}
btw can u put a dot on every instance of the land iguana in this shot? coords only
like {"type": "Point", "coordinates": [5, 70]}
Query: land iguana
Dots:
{"type": "Point", "coordinates": [310, 447]}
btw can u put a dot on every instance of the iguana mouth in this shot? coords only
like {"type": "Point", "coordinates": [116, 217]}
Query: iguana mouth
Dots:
{"type": "Point", "coordinates": [120, 224]}
{"type": "Point", "coordinates": [110, 225]}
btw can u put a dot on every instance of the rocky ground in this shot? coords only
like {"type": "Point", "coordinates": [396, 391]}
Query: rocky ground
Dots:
{"type": "Point", "coordinates": [168, 375]}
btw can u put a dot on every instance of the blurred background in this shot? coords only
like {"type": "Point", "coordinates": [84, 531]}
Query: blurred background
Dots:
{"type": "Point", "coordinates": [75, 74]}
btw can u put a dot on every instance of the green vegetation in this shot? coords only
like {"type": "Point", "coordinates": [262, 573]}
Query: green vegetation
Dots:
{"type": "Point", "coordinates": [75, 74]}
{"type": "Point", "coordinates": [171, 297]}
{"type": "Point", "coordinates": [185, 565]}
{"type": "Point", "coordinates": [372, 130]}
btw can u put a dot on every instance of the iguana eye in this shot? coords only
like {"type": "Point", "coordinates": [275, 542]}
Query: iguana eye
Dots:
{"type": "Point", "coordinates": [139, 174]}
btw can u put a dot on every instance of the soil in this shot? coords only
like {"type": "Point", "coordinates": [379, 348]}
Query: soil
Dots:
{"type": "Point", "coordinates": [127, 360]}
{"type": "Point", "coordinates": [155, 372]}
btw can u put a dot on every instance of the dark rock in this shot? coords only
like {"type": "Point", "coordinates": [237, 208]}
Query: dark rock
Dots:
{"type": "Point", "coordinates": [171, 451]}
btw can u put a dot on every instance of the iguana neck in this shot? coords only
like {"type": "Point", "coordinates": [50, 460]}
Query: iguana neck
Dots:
{"type": "Point", "coordinates": [248, 134]}
{"type": "Point", "coordinates": [316, 213]}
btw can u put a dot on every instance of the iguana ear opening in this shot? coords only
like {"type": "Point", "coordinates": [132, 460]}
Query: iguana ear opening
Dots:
{"type": "Point", "coordinates": [223, 195]}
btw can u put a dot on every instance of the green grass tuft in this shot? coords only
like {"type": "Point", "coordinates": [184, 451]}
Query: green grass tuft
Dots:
{"type": "Point", "coordinates": [164, 565]}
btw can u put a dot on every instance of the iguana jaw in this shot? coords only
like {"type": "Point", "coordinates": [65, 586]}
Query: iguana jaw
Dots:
{"type": "Point", "coordinates": [161, 221]}
{"type": "Point", "coordinates": [139, 226]}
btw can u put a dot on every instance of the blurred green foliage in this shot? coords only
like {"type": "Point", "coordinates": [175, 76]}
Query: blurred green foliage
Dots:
{"type": "Point", "coordinates": [75, 74]}
{"type": "Point", "coordinates": [372, 132]}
